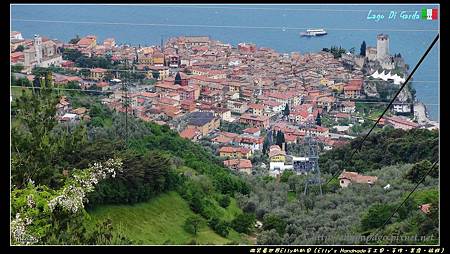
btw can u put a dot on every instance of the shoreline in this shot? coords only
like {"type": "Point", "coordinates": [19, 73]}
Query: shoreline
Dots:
{"type": "Point", "coordinates": [422, 116]}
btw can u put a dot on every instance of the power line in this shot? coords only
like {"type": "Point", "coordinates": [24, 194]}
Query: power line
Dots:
{"type": "Point", "coordinates": [264, 8]}
{"type": "Point", "coordinates": [139, 71]}
{"type": "Point", "coordinates": [392, 101]}
{"type": "Point", "coordinates": [220, 26]}
{"type": "Point", "coordinates": [406, 199]}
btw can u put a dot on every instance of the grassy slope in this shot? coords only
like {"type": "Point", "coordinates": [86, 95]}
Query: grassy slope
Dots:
{"type": "Point", "coordinates": [159, 220]}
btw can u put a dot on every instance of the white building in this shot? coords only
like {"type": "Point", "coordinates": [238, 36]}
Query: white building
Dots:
{"type": "Point", "coordinates": [400, 107]}
{"type": "Point", "coordinates": [279, 166]}
{"type": "Point", "coordinates": [14, 35]}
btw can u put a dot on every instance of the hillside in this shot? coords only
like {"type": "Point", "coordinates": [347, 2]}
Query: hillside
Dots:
{"type": "Point", "coordinates": [158, 221]}
{"type": "Point", "coordinates": [134, 174]}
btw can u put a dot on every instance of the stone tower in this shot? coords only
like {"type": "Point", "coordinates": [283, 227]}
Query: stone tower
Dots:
{"type": "Point", "coordinates": [38, 48]}
{"type": "Point", "coordinates": [382, 46]}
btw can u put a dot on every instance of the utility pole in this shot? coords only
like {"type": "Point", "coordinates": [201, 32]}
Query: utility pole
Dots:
{"type": "Point", "coordinates": [126, 114]}
{"type": "Point", "coordinates": [125, 104]}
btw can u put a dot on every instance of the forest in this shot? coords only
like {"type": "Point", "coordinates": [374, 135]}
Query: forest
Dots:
{"type": "Point", "coordinates": [342, 215]}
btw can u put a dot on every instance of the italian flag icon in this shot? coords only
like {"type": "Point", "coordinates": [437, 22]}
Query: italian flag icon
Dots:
{"type": "Point", "coordinates": [429, 14]}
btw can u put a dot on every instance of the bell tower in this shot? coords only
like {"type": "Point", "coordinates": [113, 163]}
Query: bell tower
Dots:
{"type": "Point", "coordinates": [38, 48]}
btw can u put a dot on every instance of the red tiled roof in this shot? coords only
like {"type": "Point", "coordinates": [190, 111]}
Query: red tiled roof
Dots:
{"type": "Point", "coordinates": [222, 139]}
{"type": "Point", "coordinates": [240, 163]}
{"type": "Point", "coordinates": [230, 149]}
{"type": "Point", "coordinates": [276, 152]}
{"type": "Point", "coordinates": [84, 42]}
{"type": "Point", "coordinates": [149, 95]}
{"type": "Point", "coordinates": [290, 138]}
{"type": "Point", "coordinates": [255, 118]}
{"type": "Point", "coordinates": [251, 130]}
{"type": "Point", "coordinates": [271, 103]}
{"type": "Point", "coordinates": [355, 177]}
{"type": "Point", "coordinates": [321, 129]}
{"type": "Point", "coordinates": [342, 115]}
{"type": "Point", "coordinates": [229, 134]}
{"type": "Point", "coordinates": [102, 84]}
{"type": "Point", "coordinates": [98, 70]}
{"type": "Point", "coordinates": [256, 106]}
{"type": "Point", "coordinates": [425, 208]}
{"type": "Point", "coordinates": [396, 119]}
{"type": "Point", "coordinates": [17, 54]}
{"type": "Point", "coordinates": [189, 133]}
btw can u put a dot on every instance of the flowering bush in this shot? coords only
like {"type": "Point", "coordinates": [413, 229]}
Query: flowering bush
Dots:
{"type": "Point", "coordinates": [38, 208]}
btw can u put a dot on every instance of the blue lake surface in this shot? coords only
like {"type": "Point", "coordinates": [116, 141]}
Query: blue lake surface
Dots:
{"type": "Point", "coordinates": [274, 26]}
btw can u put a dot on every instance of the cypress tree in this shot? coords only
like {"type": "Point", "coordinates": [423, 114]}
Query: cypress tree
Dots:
{"type": "Point", "coordinates": [363, 49]}
{"type": "Point", "coordinates": [178, 79]}
{"type": "Point", "coordinates": [286, 110]}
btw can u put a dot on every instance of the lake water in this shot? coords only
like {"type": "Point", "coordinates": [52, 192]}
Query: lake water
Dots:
{"type": "Point", "coordinates": [274, 26]}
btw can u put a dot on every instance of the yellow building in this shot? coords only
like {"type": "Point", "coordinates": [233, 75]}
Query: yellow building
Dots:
{"type": "Point", "coordinates": [338, 86]}
{"type": "Point", "coordinates": [158, 59]}
{"type": "Point", "coordinates": [276, 154]}
{"type": "Point", "coordinates": [145, 59]}
{"type": "Point", "coordinates": [162, 72]}
{"type": "Point", "coordinates": [97, 74]}
{"type": "Point", "coordinates": [235, 152]}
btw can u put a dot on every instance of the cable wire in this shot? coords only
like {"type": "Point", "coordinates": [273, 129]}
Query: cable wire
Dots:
{"type": "Point", "coordinates": [387, 108]}
{"type": "Point", "coordinates": [218, 26]}
{"type": "Point", "coordinates": [404, 201]}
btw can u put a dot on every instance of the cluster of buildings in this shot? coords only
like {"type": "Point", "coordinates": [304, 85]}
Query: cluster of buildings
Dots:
{"type": "Point", "coordinates": [201, 83]}
{"type": "Point", "coordinates": [37, 52]}
{"type": "Point", "coordinates": [66, 114]}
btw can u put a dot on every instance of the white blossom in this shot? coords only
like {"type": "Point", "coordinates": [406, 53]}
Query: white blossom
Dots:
{"type": "Point", "coordinates": [19, 233]}
{"type": "Point", "coordinates": [72, 196]}
{"type": "Point", "coordinates": [30, 201]}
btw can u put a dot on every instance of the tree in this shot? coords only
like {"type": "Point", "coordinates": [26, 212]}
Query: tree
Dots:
{"type": "Point", "coordinates": [270, 237]}
{"type": "Point", "coordinates": [178, 79]}
{"type": "Point", "coordinates": [36, 148]}
{"type": "Point", "coordinates": [273, 136]}
{"type": "Point", "coordinates": [192, 224]}
{"type": "Point", "coordinates": [376, 216]}
{"type": "Point", "coordinates": [285, 175]}
{"type": "Point", "coordinates": [73, 85]}
{"type": "Point", "coordinates": [17, 68]}
{"type": "Point", "coordinates": [272, 221]}
{"type": "Point", "coordinates": [280, 139]}
{"type": "Point", "coordinates": [266, 144]}
{"type": "Point", "coordinates": [352, 50]}
{"type": "Point", "coordinates": [219, 226]}
{"type": "Point", "coordinates": [362, 51]}
{"type": "Point", "coordinates": [20, 48]}
{"type": "Point", "coordinates": [71, 54]}
{"type": "Point", "coordinates": [225, 201]}
{"type": "Point", "coordinates": [57, 216]}
{"type": "Point", "coordinates": [418, 171]}
{"type": "Point", "coordinates": [286, 111]}
{"type": "Point", "coordinates": [75, 40]}
{"type": "Point", "coordinates": [243, 222]}
{"type": "Point", "coordinates": [196, 203]}
{"type": "Point", "coordinates": [318, 120]}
